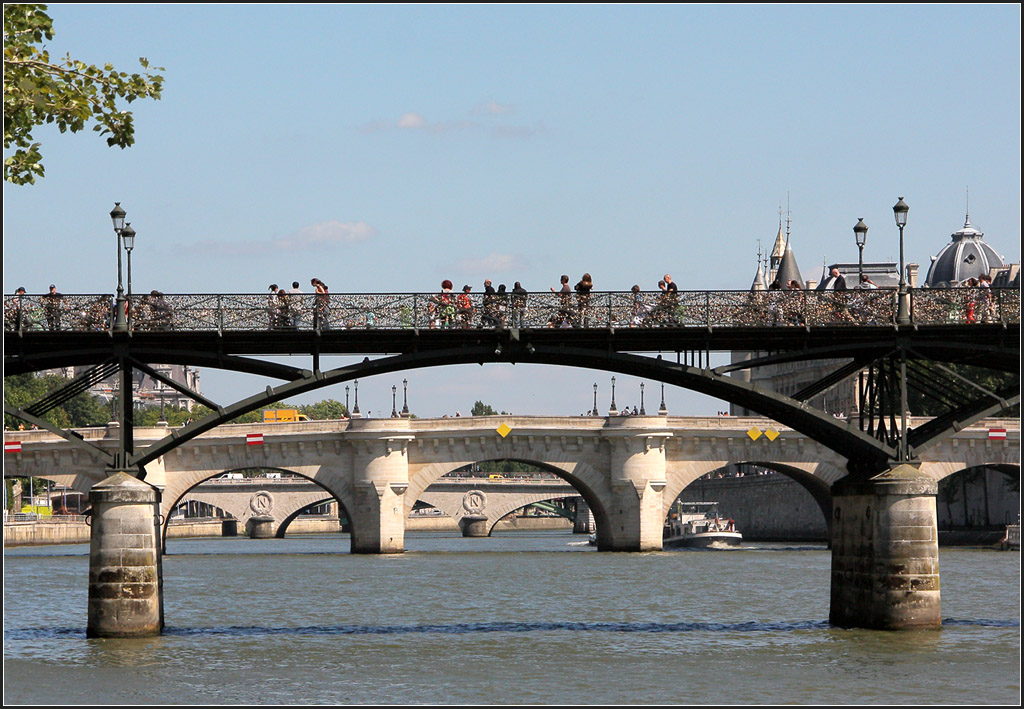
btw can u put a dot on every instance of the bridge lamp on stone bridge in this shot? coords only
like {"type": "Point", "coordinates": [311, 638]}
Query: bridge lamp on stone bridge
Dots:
{"type": "Point", "coordinates": [595, 412]}
{"type": "Point", "coordinates": [405, 398]}
{"type": "Point", "coordinates": [612, 411]}
{"type": "Point", "coordinates": [394, 406]}
{"type": "Point", "coordinates": [860, 233]}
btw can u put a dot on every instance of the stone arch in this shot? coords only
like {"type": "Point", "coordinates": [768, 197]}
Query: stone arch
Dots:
{"type": "Point", "coordinates": [185, 482]}
{"type": "Point", "coordinates": [282, 527]}
{"type": "Point", "coordinates": [584, 478]}
{"type": "Point", "coordinates": [815, 476]}
{"type": "Point", "coordinates": [971, 498]}
{"type": "Point", "coordinates": [816, 480]}
{"type": "Point", "coordinates": [504, 511]}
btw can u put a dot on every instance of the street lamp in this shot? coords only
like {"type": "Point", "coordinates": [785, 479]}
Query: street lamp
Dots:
{"type": "Point", "coordinates": [394, 408]}
{"type": "Point", "coordinates": [900, 210]}
{"type": "Point", "coordinates": [662, 410]}
{"type": "Point", "coordinates": [613, 411]}
{"type": "Point", "coordinates": [128, 237]}
{"type": "Point", "coordinates": [643, 412]}
{"type": "Point", "coordinates": [355, 410]}
{"type": "Point", "coordinates": [595, 412]}
{"type": "Point", "coordinates": [348, 411]}
{"type": "Point", "coordinates": [117, 216]}
{"type": "Point", "coordinates": [405, 398]}
{"type": "Point", "coordinates": [860, 233]}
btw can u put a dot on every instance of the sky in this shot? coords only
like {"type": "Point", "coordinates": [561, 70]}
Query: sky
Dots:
{"type": "Point", "coordinates": [389, 147]}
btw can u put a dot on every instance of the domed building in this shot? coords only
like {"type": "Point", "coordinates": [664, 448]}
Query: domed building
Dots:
{"type": "Point", "coordinates": [966, 256]}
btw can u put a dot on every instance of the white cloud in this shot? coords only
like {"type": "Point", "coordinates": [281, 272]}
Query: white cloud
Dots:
{"type": "Point", "coordinates": [314, 236]}
{"type": "Point", "coordinates": [411, 120]}
{"type": "Point", "coordinates": [493, 108]}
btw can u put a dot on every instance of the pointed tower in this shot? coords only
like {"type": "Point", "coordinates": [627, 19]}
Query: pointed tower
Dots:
{"type": "Point", "coordinates": [778, 251]}
{"type": "Point", "coordinates": [759, 280]}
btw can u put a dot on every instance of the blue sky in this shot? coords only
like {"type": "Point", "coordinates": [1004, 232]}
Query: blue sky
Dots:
{"type": "Point", "coordinates": [390, 147]}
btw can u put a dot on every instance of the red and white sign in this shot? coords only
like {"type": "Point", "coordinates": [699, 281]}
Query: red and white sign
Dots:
{"type": "Point", "coordinates": [254, 439]}
{"type": "Point", "coordinates": [12, 446]}
{"type": "Point", "coordinates": [997, 434]}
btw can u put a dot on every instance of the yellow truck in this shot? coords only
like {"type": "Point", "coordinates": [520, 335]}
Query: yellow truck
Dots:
{"type": "Point", "coordinates": [283, 416]}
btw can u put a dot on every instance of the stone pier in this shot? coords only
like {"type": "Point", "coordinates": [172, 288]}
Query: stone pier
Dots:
{"type": "Point", "coordinates": [885, 552]}
{"type": "Point", "coordinates": [125, 569]}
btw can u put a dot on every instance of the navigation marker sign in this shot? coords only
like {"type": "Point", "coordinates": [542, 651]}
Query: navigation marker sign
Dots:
{"type": "Point", "coordinates": [997, 434]}
{"type": "Point", "coordinates": [12, 446]}
{"type": "Point", "coordinates": [254, 439]}
{"type": "Point", "coordinates": [503, 430]}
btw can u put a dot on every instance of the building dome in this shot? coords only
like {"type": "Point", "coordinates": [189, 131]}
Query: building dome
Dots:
{"type": "Point", "coordinates": [966, 256]}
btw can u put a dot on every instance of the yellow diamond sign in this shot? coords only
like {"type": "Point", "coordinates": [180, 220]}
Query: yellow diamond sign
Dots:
{"type": "Point", "coordinates": [754, 433]}
{"type": "Point", "coordinates": [772, 434]}
{"type": "Point", "coordinates": [504, 430]}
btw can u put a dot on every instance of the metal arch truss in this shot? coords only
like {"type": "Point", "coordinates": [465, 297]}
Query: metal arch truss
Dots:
{"type": "Point", "coordinates": [887, 367]}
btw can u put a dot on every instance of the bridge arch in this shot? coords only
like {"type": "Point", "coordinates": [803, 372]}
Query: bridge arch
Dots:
{"type": "Point", "coordinates": [585, 478]}
{"type": "Point", "coordinates": [260, 505]}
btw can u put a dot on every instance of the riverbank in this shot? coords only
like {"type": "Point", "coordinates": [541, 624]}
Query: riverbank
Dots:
{"type": "Point", "coordinates": [39, 533]}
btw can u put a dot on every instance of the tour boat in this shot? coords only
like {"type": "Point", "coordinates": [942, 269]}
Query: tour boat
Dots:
{"type": "Point", "coordinates": [698, 524]}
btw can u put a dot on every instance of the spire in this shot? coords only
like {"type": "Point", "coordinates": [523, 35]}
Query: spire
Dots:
{"type": "Point", "coordinates": [779, 249]}
{"type": "Point", "coordinates": [788, 270]}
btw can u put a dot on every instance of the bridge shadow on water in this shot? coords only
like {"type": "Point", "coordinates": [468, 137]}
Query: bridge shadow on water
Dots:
{"type": "Point", "coordinates": [494, 627]}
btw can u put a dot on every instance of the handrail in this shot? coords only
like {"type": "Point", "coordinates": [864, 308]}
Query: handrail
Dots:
{"type": "Point", "coordinates": [441, 311]}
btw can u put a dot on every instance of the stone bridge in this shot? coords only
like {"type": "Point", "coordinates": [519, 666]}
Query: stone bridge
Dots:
{"type": "Point", "coordinates": [266, 506]}
{"type": "Point", "coordinates": [629, 470]}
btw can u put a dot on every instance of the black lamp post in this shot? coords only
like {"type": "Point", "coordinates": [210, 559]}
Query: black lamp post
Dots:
{"type": "Point", "coordinates": [128, 238]}
{"type": "Point", "coordinates": [348, 411]}
{"type": "Point", "coordinates": [405, 398]}
{"type": "Point", "coordinates": [662, 410]}
{"type": "Point", "coordinates": [643, 412]}
{"type": "Point", "coordinates": [117, 216]}
{"type": "Point", "coordinates": [595, 411]}
{"type": "Point", "coordinates": [394, 407]}
{"type": "Point", "coordinates": [860, 233]}
{"type": "Point", "coordinates": [355, 410]}
{"type": "Point", "coordinates": [613, 411]}
{"type": "Point", "coordinates": [903, 306]}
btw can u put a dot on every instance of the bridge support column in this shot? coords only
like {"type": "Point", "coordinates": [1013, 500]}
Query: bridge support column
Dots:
{"type": "Point", "coordinates": [885, 553]}
{"type": "Point", "coordinates": [125, 566]}
{"type": "Point", "coordinates": [635, 513]}
{"type": "Point", "coordinates": [475, 525]}
{"type": "Point", "coordinates": [382, 477]}
{"type": "Point", "coordinates": [261, 527]}
{"type": "Point", "coordinates": [584, 521]}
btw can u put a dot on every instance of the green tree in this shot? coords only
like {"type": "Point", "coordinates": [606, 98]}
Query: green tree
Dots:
{"type": "Point", "coordinates": [22, 390]}
{"type": "Point", "coordinates": [482, 409]}
{"type": "Point", "coordinates": [67, 92]}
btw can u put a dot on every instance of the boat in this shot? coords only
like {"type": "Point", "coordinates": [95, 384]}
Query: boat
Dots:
{"type": "Point", "coordinates": [698, 524]}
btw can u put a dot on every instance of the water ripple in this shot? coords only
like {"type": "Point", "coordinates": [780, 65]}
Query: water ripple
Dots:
{"type": "Point", "coordinates": [494, 627]}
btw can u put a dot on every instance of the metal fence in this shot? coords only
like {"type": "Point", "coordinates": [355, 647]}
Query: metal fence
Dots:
{"type": "Point", "coordinates": [407, 311]}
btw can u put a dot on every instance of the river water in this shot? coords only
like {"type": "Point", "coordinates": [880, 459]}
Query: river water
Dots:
{"type": "Point", "coordinates": [524, 617]}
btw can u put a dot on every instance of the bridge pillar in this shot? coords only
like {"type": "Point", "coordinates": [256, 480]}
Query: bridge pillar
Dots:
{"type": "Point", "coordinates": [381, 468]}
{"type": "Point", "coordinates": [635, 513]}
{"type": "Point", "coordinates": [885, 553]}
{"type": "Point", "coordinates": [475, 525]}
{"type": "Point", "coordinates": [125, 566]}
{"type": "Point", "coordinates": [261, 527]}
{"type": "Point", "coordinates": [584, 520]}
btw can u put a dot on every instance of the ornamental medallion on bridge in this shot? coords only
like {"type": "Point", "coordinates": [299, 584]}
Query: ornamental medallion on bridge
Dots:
{"type": "Point", "coordinates": [261, 503]}
{"type": "Point", "coordinates": [474, 502]}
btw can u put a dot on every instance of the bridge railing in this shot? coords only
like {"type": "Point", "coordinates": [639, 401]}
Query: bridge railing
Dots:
{"type": "Point", "coordinates": [407, 311]}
